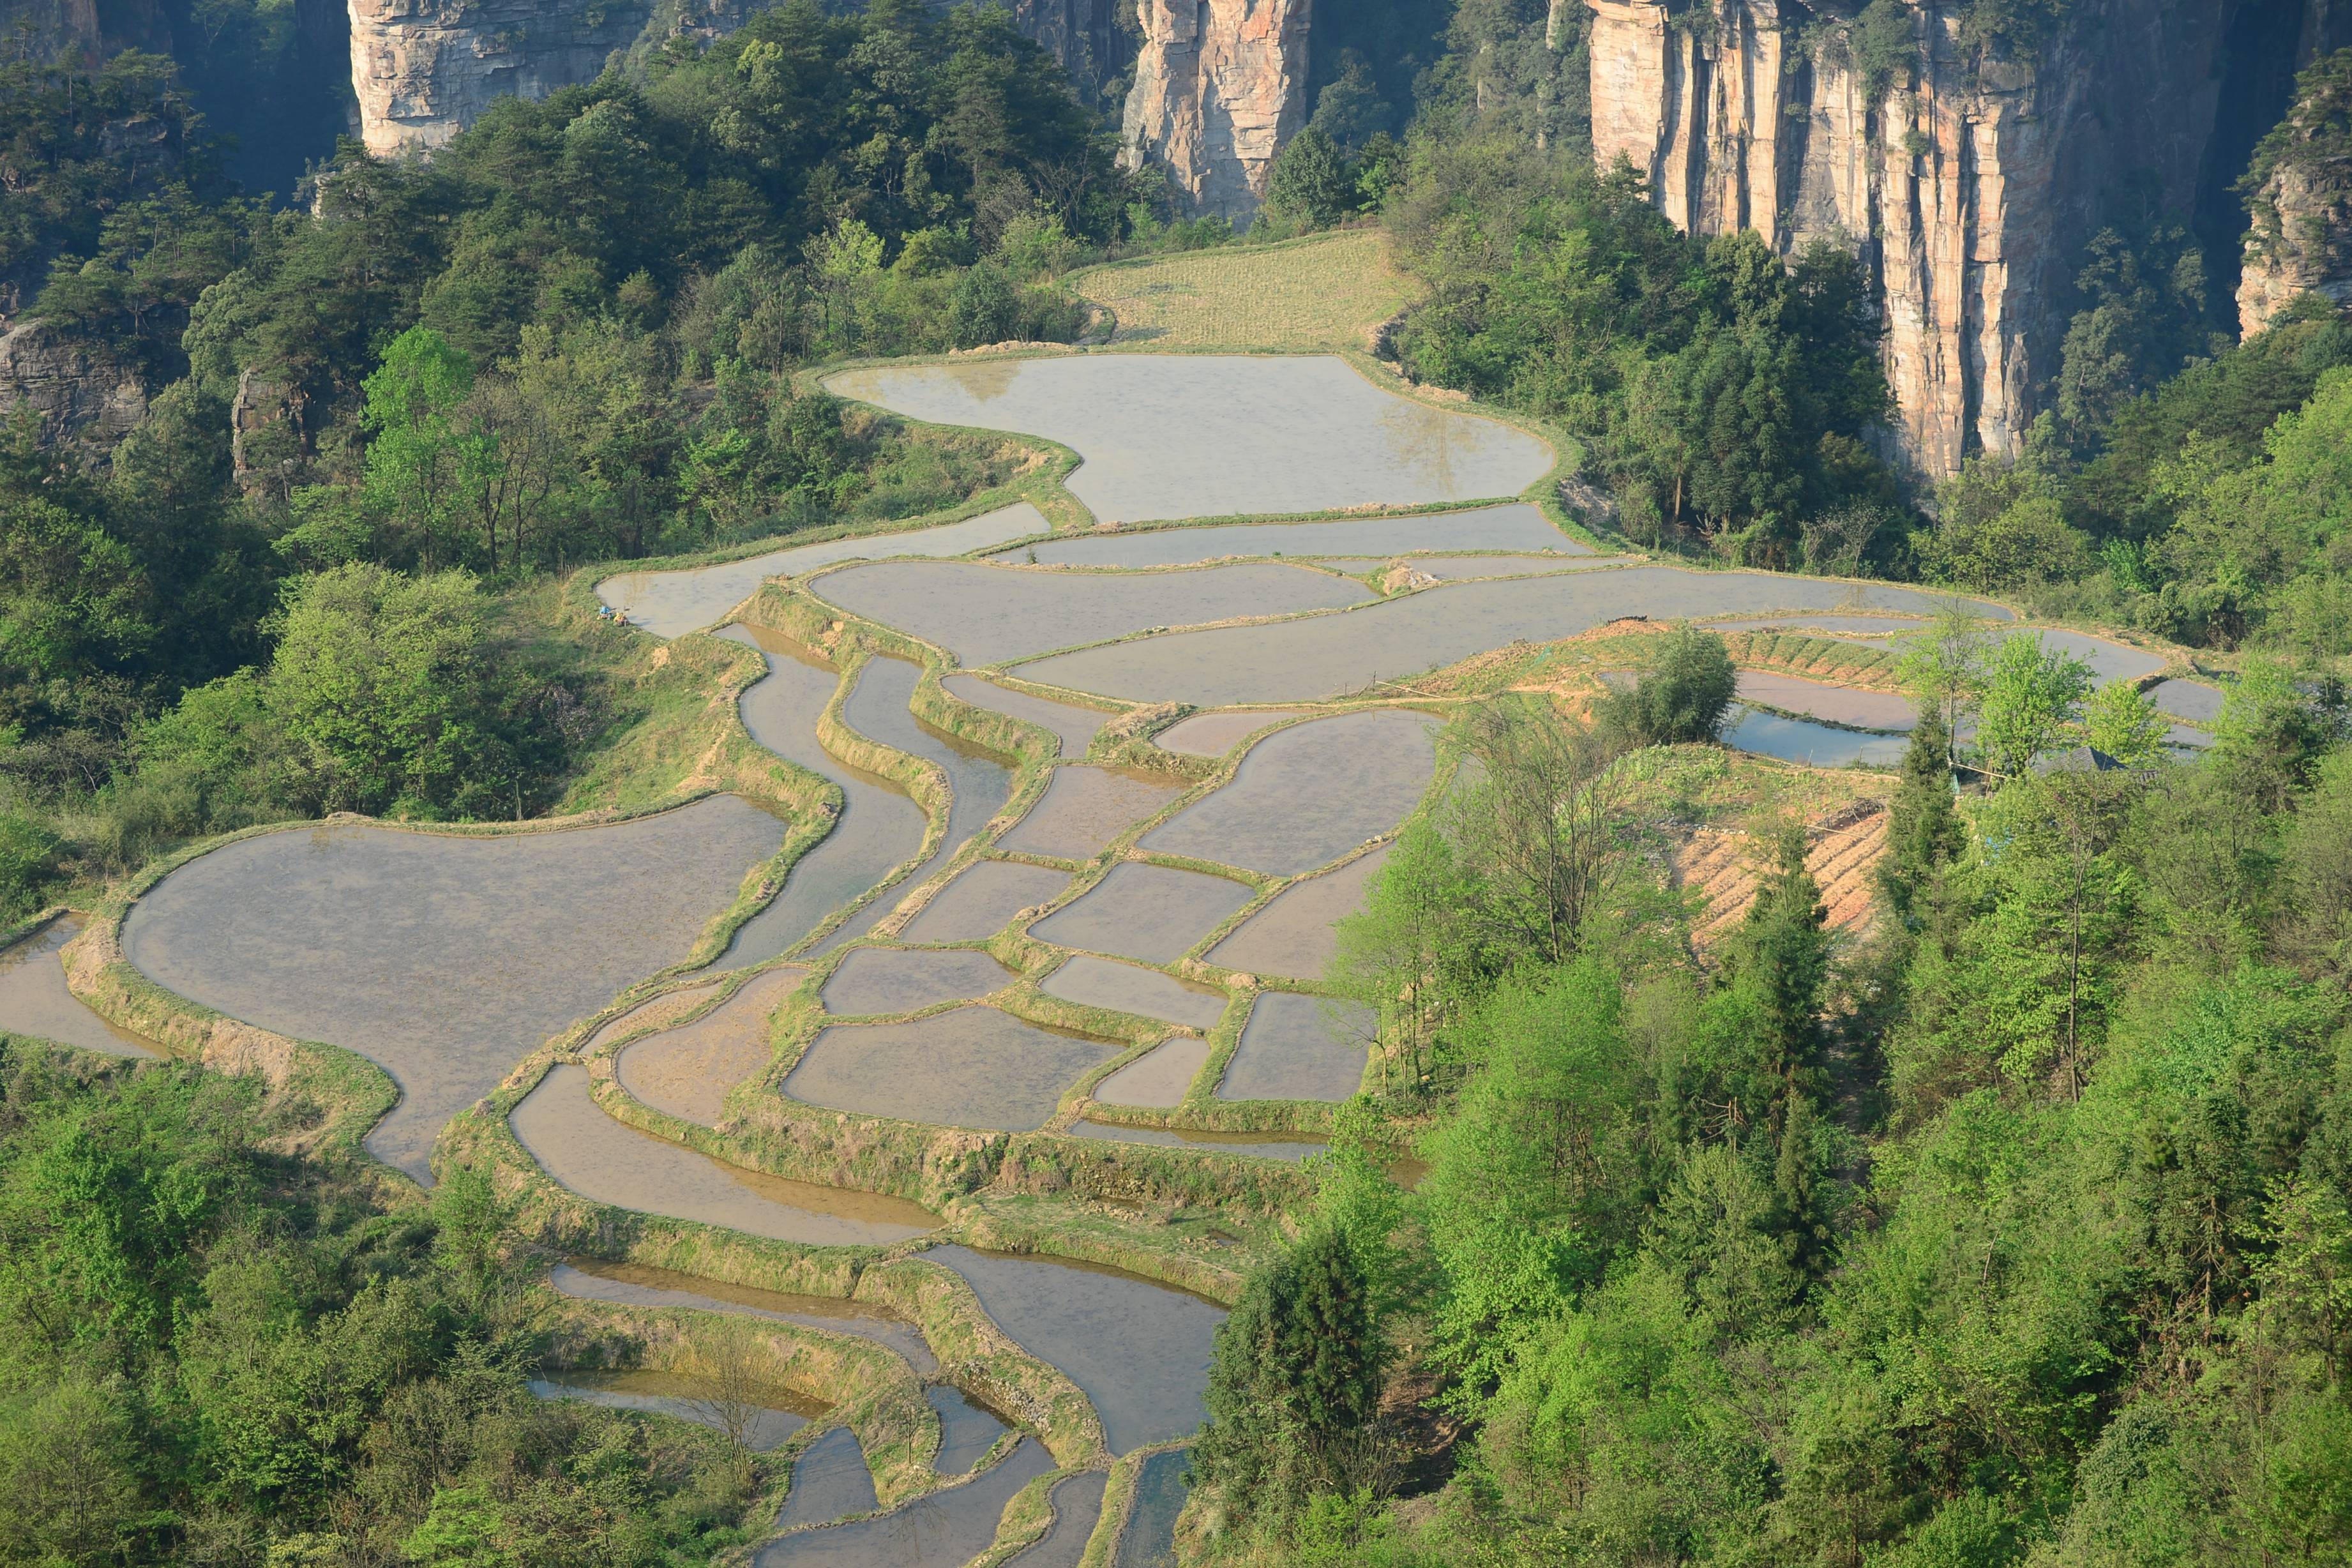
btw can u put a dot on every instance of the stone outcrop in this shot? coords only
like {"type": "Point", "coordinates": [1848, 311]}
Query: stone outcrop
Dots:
{"type": "Point", "coordinates": [2300, 241]}
{"type": "Point", "coordinates": [1083, 35]}
{"type": "Point", "coordinates": [1968, 179]}
{"type": "Point", "coordinates": [424, 69]}
{"type": "Point", "coordinates": [81, 395]}
{"type": "Point", "coordinates": [1219, 85]}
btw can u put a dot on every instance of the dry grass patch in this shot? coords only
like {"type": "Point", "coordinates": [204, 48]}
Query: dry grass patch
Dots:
{"type": "Point", "coordinates": [1326, 292]}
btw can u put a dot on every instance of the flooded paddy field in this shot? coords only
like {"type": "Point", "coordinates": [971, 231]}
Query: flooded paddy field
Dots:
{"type": "Point", "coordinates": [1296, 934]}
{"type": "Point", "coordinates": [1323, 657]}
{"type": "Point", "coordinates": [671, 604]}
{"type": "Point", "coordinates": [973, 1067]}
{"type": "Point", "coordinates": [1074, 726]}
{"type": "Point", "coordinates": [688, 1069]}
{"type": "Point", "coordinates": [1177, 435]}
{"type": "Point", "coordinates": [687, 1398]}
{"type": "Point", "coordinates": [443, 958]}
{"type": "Point", "coordinates": [1514, 529]}
{"type": "Point", "coordinates": [988, 615]}
{"type": "Point", "coordinates": [875, 980]}
{"type": "Point", "coordinates": [2189, 699]}
{"type": "Point", "coordinates": [983, 898]}
{"type": "Point", "coordinates": [1086, 807]}
{"type": "Point", "coordinates": [1158, 1079]}
{"type": "Point", "coordinates": [34, 999]}
{"type": "Point", "coordinates": [966, 1430]}
{"type": "Point", "coordinates": [1137, 1350]}
{"type": "Point", "coordinates": [1129, 988]}
{"type": "Point", "coordinates": [878, 828]}
{"type": "Point", "coordinates": [1300, 1048]}
{"type": "Point", "coordinates": [1156, 913]}
{"type": "Point", "coordinates": [1214, 734]}
{"type": "Point", "coordinates": [830, 1481]}
{"type": "Point", "coordinates": [610, 1162]}
{"type": "Point", "coordinates": [1149, 1539]}
{"type": "Point", "coordinates": [945, 1529]}
{"type": "Point", "coordinates": [1802, 741]}
{"type": "Point", "coordinates": [1309, 794]}
{"type": "Point", "coordinates": [638, 1285]}
{"type": "Point", "coordinates": [1834, 704]}
{"type": "Point", "coordinates": [1077, 1505]}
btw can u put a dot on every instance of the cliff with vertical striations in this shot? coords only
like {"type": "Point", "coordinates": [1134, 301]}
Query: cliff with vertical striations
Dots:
{"type": "Point", "coordinates": [1968, 176]}
{"type": "Point", "coordinates": [1219, 85]}
{"type": "Point", "coordinates": [2299, 193]}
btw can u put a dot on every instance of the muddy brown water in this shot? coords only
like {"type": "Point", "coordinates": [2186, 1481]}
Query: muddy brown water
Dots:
{"type": "Point", "coordinates": [1300, 1048]}
{"type": "Point", "coordinates": [1158, 1079]}
{"type": "Point", "coordinates": [443, 958]}
{"type": "Point", "coordinates": [1517, 528]}
{"type": "Point", "coordinates": [671, 604]}
{"type": "Point", "coordinates": [1136, 1348]}
{"type": "Point", "coordinates": [640, 1285]}
{"type": "Point", "coordinates": [1077, 1505]}
{"type": "Point", "coordinates": [880, 708]}
{"type": "Point", "coordinates": [982, 900]}
{"type": "Point", "coordinates": [611, 1163]}
{"type": "Point", "coordinates": [1280, 1146]}
{"type": "Point", "coordinates": [36, 1001]}
{"type": "Point", "coordinates": [973, 1067]}
{"type": "Point", "coordinates": [655, 1012]}
{"type": "Point", "coordinates": [782, 1413]}
{"type": "Point", "coordinates": [1085, 808]}
{"type": "Point", "coordinates": [1307, 795]}
{"type": "Point", "coordinates": [945, 1529]}
{"type": "Point", "coordinates": [899, 980]}
{"type": "Point", "coordinates": [1214, 734]}
{"type": "Point", "coordinates": [1128, 988]}
{"type": "Point", "coordinates": [1814, 745]}
{"type": "Point", "coordinates": [1320, 657]}
{"type": "Point", "coordinates": [1156, 913]}
{"type": "Point", "coordinates": [1148, 1540]}
{"type": "Point", "coordinates": [967, 1431]}
{"type": "Point", "coordinates": [987, 615]}
{"type": "Point", "coordinates": [1888, 711]}
{"type": "Point", "coordinates": [687, 1070]}
{"type": "Point", "coordinates": [1297, 934]}
{"type": "Point", "coordinates": [879, 827]}
{"type": "Point", "coordinates": [830, 1481]}
{"type": "Point", "coordinates": [1074, 726]}
{"type": "Point", "coordinates": [1172, 435]}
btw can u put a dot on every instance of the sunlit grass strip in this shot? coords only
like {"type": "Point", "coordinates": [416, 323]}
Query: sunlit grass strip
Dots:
{"type": "Point", "coordinates": [1324, 292]}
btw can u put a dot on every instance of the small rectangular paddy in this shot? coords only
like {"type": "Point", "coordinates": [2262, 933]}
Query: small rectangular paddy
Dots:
{"type": "Point", "coordinates": [1214, 734]}
{"type": "Point", "coordinates": [1295, 934]}
{"type": "Point", "coordinates": [1306, 795]}
{"type": "Point", "coordinates": [1889, 711]}
{"type": "Point", "coordinates": [983, 898]}
{"type": "Point", "coordinates": [1158, 1079]}
{"type": "Point", "coordinates": [1300, 1048]}
{"type": "Point", "coordinates": [1153, 912]}
{"type": "Point", "coordinates": [1130, 988]}
{"type": "Point", "coordinates": [875, 980]}
{"type": "Point", "coordinates": [1244, 1145]}
{"type": "Point", "coordinates": [973, 1067]}
{"type": "Point", "coordinates": [689, 1071]}
{"type": "Point", "coordinates": [1086, 807]}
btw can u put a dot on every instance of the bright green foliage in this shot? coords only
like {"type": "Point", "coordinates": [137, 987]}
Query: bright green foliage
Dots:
{"type": "Point", "coordinates": [1682, 696]}
{"type": "Point", "coordinates": [2121, 721]}
{"type": "Point", "coordinates": [1781, 963]}
{"type": "Point", "coordinates": [2031, 694]}
{"type": "Point", "coordinates": [1943, 669]}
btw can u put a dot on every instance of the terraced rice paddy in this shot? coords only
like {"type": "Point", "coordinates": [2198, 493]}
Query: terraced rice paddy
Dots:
{"type": "Point", "coordinates": [666, 1394]}
{"type": "Point", "coordinates": [449, 958]}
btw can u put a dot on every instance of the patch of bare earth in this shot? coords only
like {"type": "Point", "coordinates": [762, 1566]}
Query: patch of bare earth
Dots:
{"type": "Point", "coordinates": [1841, 851]}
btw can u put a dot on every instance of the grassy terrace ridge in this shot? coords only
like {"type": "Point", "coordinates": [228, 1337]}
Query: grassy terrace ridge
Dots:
{"type": "Point", "coordinates": [1325, 291]}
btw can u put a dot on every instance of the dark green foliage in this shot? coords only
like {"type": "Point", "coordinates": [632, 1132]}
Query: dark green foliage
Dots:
{"type": "Point", "coordinates": [1311, 185]}
{"type": "Point", "coordinates": [1924, 832]}
{"type": "Point", "coordinates": [1782, 962]}
{"type": "Point", "coordinates": [1682, 696]}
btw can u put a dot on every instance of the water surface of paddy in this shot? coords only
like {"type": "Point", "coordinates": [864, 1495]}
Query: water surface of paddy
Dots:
{"type": "Point", "coordinates": [945, 1529]}
{"type": "Point", "coordinates": [671, 604]}
{"type": "Point", "coordinates": [1834, 704]}
{"type": "Point", "coordinates": [982, 900]}
{"type": "Point", "coordinates": [1172, 435]}
{"type": "Point", "coordinates": [1158, 1079]}
{"type": "Point", "coordinates": [1149, 1539]}
{"type": "Point", "coordinates": [1802, 741]}
{"type": "Point", "coordinates": [34, 1000]}
{"type": "Point", "coordinates": [900, 980]}
{"type": "Point", "coordinates": [1129, 988]}
{"type": "Point", "coordinates": [830, 1481]}
{"type": "Point", "coordinates": [1074, 726]}
{"type": "Point", "coordinates": [1517, 528]}
{"type": "Point", "coordinates": [974, 1067]}
{"type": "Point", "coordinates": [612, 1162]}
{"type": "Point", "coordinates": [1214, 734]}
{"type": "Point", "coordinates": [687, 1070]}
{"type": "Point", "coordinates": [1078, 1504]}
{"type": "Point", "coordinates": [986, 615]}
{"type": "Point", "coordinates": [878, 829]}
{"type": "Point", "coordinates": [1300, 1048]}
{"type": "Point", "coordinates": [443, 958]}
{"type": "Point", "coordinates": [966, 1431]}
{"type": "Point", "coordinates": [669, 1393]}
{"type": "Point", "coordinates": [1137, 1350]}
{"type": "Point", "coordinates": [2188, 699]}
{"type": "Point", "coordinates": [1469, 568]}
{"type": "Point", "coordinates": [1297, 934]}
{"type": "Point", "coordinates": [1156, 913]}
{"type": "Point", "coordinates": [1309, 794]}
{"type": "Point", "coordinates": [1321, 656]}
{"type": "Point", "coordinates": [640, 1285]}
{"type": "Point", "coordinates": [1086, 807]}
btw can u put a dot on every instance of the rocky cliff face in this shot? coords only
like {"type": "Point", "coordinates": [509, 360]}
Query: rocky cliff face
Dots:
{"type": "Point", "coordinates": [1970, 179]}
{"type": "Point", "coordinates": [81, 394]}
{"type": "Point", "coordinates": [1219, 86]}
{"type": "Point", "coordinates": [2300, 241]}
{"type": "Point", "coordinates": [422, 69]}
{"type": "Point", "coordinates": [1083, 35]}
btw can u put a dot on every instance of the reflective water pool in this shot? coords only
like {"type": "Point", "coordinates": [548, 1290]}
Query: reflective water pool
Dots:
{"type": "Point", "coordinates": [1300, 1048]}
{"type": "Point", "coordinates": [1515, 528]}
{"type": "Point", "coordinates": [896, 980]}
{"type": "Point", "coordinates": [974, 1067]}
{"type": "Point", "coordinates": [1295, 935]}
{"type": "Point", "coordinates": [1158, 1079]}
{"type": "Point", "coordinates": [35, 1001]}
{"type": "Point", "coordinates": [1815, 745]}
{"type": "Point", "coordinates": [638, 1285]}
{"type": "Point", "coordinates": [983, 898]}
{"type": "Point", "coordinates": [1153, 912]}
{"type": "Point", "coordinates": [946, 1529]}
{"type": "Point", "coordinates": [1086, 807]}
{"type": "Point", "coordinates": [1130, 988]}
{"type": "Point", "coordinates": [1307, 795]}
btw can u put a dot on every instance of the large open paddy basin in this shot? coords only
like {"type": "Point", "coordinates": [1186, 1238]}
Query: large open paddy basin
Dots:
{"type": "Point", "coordinates": [443, 958]}
{"type": "Point", "coordinates": [1174, 436]}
